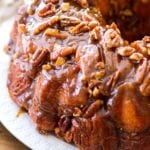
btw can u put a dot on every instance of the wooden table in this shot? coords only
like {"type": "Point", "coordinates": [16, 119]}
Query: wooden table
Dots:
{"type": "Point", "coordinates": [8, 142]}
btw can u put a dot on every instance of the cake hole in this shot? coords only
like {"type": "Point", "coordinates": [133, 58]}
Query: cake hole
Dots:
{"type": "Point", "coordinates": [131, 16]}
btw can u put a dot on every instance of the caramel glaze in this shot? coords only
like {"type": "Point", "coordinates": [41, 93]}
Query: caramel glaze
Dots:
{"type": "Point", "coordinates": [85, 82]}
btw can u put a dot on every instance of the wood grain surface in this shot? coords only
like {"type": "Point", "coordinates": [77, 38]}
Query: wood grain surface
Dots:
{"type": "Point", "coordinates": [8, 142]}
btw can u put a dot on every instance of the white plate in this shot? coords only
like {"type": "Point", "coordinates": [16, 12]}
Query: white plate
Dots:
{"type": "Point", "coordinates": [22, 127]}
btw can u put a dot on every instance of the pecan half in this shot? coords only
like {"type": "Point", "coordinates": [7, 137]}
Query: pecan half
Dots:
{"type": "Point", "coordinates": [38, 57]}
{"type": "Point", "coordinates": [49, 9]}
{"type": "Point", "coordinates": [125, 51]}
{"type": "Point", "coordinates": [112, 39]}
{"type": "Point", "coordinates": [136, 57]}
{"type": "Point", "coordinates": [95, 34]}
{"type": "Point", "coordinates": [55, 33]}
{"type": "Point", "coordinates": [93, 108]}
{"type": "Point", "coordinates": [69, 21]}
{"type": "Point", "coordinates": [65, 7]}
{"type": "Point", "coordinates": [82, 27]}
{"type": "Point", "coordinates": [40, 28]}
{"type": "Point", "coordinates": [22, 28]}
{"type": "Point", "coordinates": [62, 52]}
{"type": "Point", "coordinates": [51, 1]}
{"type": "Point", "coordinates": [141, 70]}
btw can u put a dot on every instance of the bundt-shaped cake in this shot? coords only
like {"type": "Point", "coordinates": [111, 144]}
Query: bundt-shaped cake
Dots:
{"type": "Point", "coordinates": [75, 74]}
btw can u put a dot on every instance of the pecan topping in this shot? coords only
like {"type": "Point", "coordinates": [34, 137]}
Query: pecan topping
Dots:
{"type": "Point", "coordinates": [136, 57]}
{"type": "Point", "coordinates": [69, 21]}
{"type": "Point", "coordinates": [82, 27]}
{"type": "Point", "coordinates": [60, 61]}
{"type": "Point", "coordinates": [93, 24]}
{"type": "Point", "coordinates": [62, 52]}
{"type": "Point", "coordinates": [38, 57]}
{"type": "Point", "coordinates": [51, 1]}
{"type": "Point", "coordinates": [95, 34]}
{"type": "Point", "coordinates": [65, 7]}
{"type": "Point", "coordinates": [47, 67]}
{"type": "Point", "coordinates": [93, 108]}
{"type": "Point", "coordinates": [141, 70]}
{"type": "Point", "coordinates": [113, 39]}
{"type": "Point", "coordinates": [49, 9]}
{"type": "Point", "coordinates": [22, 28]}
{"type": "Point", "coordinates": [30, 10]}
{"type": "Point", "coordinates": [139, 46]}
{"type": "Point", "coordinates": [77, 112]}
{"type": "Point", "coordinates": [40, 28]}
{"type": "Point", "coordinates": [95, 92]}
{"type": "Point", "coordinates": [55, 33]}
{"type": "Point", "coordinates": [126, 51]}
{"type": "Point", "coordinates": [100, 74]}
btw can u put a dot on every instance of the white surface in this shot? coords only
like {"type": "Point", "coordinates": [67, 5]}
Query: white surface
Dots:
{"type": "Point", "coordinates": [21, 127]}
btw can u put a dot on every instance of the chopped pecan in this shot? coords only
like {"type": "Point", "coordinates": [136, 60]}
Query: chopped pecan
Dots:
{"type": "Point", "coordinates": [55, 33]}
{"type": "Point", "coordinates": [126, 51]}
{"type": "Point", "coordinates": [60, 61]}
{"type": "Point", "coordinates": [62, 52]}
{"type": "Point", "coordinates": [100, 65]}
{"type": "Point", "coordinates": [47, 67]}
{"type": "Point", "coordinates": [65, 7]}
{"type": "Point", "coordinates": [95, 34]}
{"type": "Point", "coordinates": [77, 112]}
{"type": "Point", "coordinates": [100, 74]}
{"type": "Point", "coordinates": [49, 9]}
{"type": "Point", "coordinates": [30, 10]}
{"type": "Point", "coordinates": [69, 21]}
{"type": "Point", "coordinates": [86, 17]}
{"type": "Point", "coordinates": [95, 92]}
{"type": "Point", "coordinates": [141, 70]}
{"type": "Point", "coordinates": [54, 20]}
{"type": "Point", "coordinates": [83, 3]}
{"type": "Point", "coordinates": [82, 27]}
{"type": "Point", "coordinates": [93, 108]}
{"type": "Point", "coordinates": [93, 24]}
{"type": "Point", "coordinates": [35, 2]}
{"type": "Point", "coordinates": [38, 57]}
{"type": "Point", "coordinates": [139, 46]}
{"type": "Point", "coordinates": [136, 57]}
{"type": "Point", "coordinates": [40, 28]}
{"type": "Point", "coordinates": [22, 28]}
{"type": "Point", "coordinates": [112, 39]}
{"type": "Point", "coordinates": [51, 1]}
